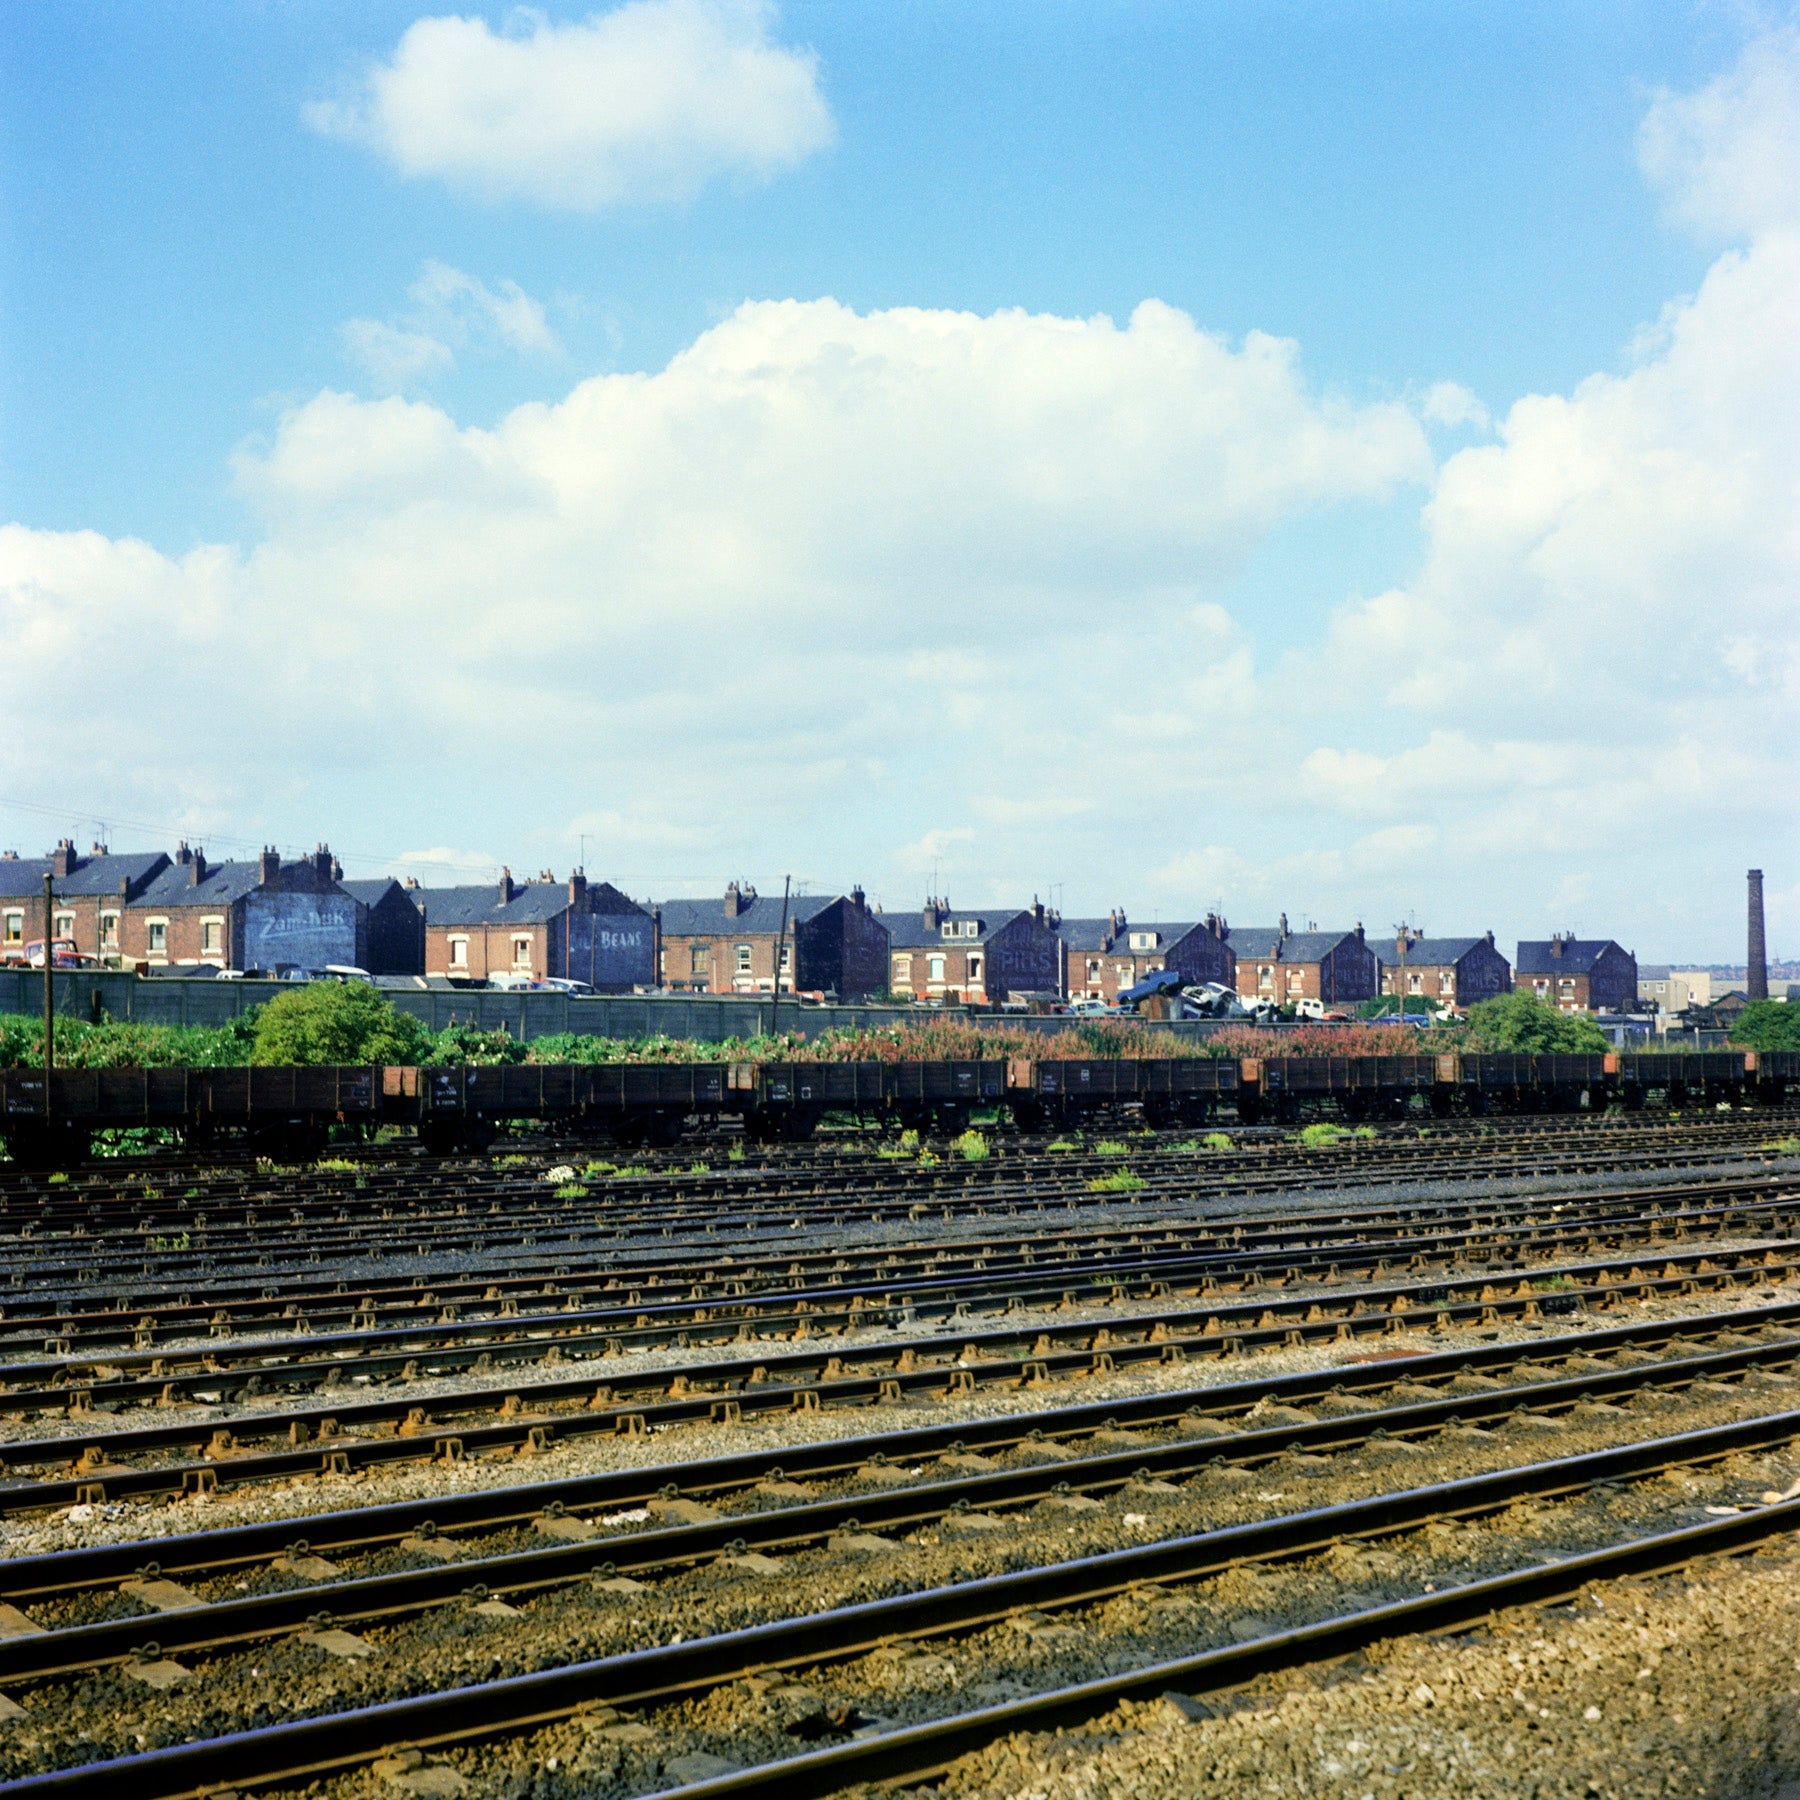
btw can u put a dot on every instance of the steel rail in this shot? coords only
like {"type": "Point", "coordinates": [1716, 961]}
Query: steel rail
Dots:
{"type": "Point", "coordinates": [233, 1243]}
{"type": "Point", "coordinates": [866, 1373]}
{"type": "Point", "coordinates": [936, 1296]}
{"type": "Point", "coordinates": [307, 1749]}
{"type": "Point", "coordinates": [731, 1278]}
{"type": "Point", "coordinates": [307, 1360]}
{"type": "Point", "coordinates": [225, 1623]}
{"type": "Point", "coordinates": [493, 1509]}
{"type": "Point", "coordinates": [483, 1232]}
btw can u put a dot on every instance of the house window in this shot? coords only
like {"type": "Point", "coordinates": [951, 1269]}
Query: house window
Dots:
{"type": "Point", "coordinates": [65, 925]}
{"type": "Point", "coordinates": [700, 960]}
{"type": "Point", "coordinates": [974, 968]}
{"type": "Point", "coordinates": [743, 959]}
{"type": "Point", "coordinates": [1541, 988]}
{"type": "Point", "coordinates": [1265, 976]}
{"type": "Point", "coordinates": [787, 959]}
{"type": "Point", "coordinates": [158, 930]}
{"type": "Point", "coordinates": [1447, 983]}
{"type": "Point", "coordinates": [1143, 940]}
{"type": "Point", "coordinates": [521, 953]}
{"type": "Point", "coordinates": [459, 953]}
{"type": "Point", "coordinates": [15, 927]}
{"type": "Point", "coordinates": [1296, 981]}
{"type": "Point", "coordinates": [109, 931]}
{"type": "Point", "coordinates": [212, 936]}
{"type": "Point", "coordinates": [937, 968]}
{"type": "Point", "coordinates": [903, 971]}
{"type": "Point", "coordinates": [1415, 984]}
{"type": "Point", "coordinates": [1567, 985]}
{"type": "Point", "coordinates": [1093, 968]}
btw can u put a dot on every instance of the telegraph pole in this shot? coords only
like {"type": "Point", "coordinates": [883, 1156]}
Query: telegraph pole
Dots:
{"type": "Point", "coordinates": [787, 883]}
{"type": "Point", "coordinates": [49, 990]}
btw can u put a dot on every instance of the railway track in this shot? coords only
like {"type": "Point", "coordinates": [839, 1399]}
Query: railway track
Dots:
{"type": "Point", "coordinates": [752, 1292]}
{"type": "Point", "coordinates": [1216, 1425]}
{"type": "Point", "coordinates": [351, 1434]}
{"type": "Point", "coordinates": [900, 1296]}
{"type": "Point", "coordinates": [880, 1191]}
{"type": "Point", "coordinates": [305, 1749]}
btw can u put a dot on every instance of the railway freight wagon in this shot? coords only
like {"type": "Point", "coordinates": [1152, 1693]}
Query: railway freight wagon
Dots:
{"type": "Point", "coordinates": [1167, 1090]}
{"type": "Point", "coordinates": [289, 1112]}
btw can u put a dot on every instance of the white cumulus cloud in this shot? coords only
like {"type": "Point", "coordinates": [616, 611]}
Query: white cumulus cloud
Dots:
{"type": "Point", "coordinates": [648, 102]}
{"type": "Point", "coordinates": [1728, 157]}
{"type": "Point", "coordinates": [449, 312]}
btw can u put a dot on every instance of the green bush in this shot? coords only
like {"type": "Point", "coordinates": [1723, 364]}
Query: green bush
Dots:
{"type": "Point", "coordinates": [1767, 1025]}
{"type": "Point", "coordinates": [1111, 1147]}
{"type": "Point", "coordinates": [971, 1147]}
{"type": "Point", "coordinates": [1120, 1181]}
{"type": "Point", "coordinates": [1217, 1140]}
{"type": "Point", "coordinates": [336, 1022]}
{"type": "Point", "coordinates": [1520, 1021]}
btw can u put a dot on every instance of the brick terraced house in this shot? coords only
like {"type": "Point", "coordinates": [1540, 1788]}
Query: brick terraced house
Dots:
{"type": "Point", "coordinates": [396, 934]}
{"type": "Point", "coordinates": [1447, 972]}
{"type": "Point", "coordinates": [1103, 956]}
{"type": "Point", "coordinates": [979, 958]}
{"type": "Point", "coordinates": [267, 915]}
{"type": "Point", "coordinates": [1578, 974]}
{"type": "Point", "coordinates": [1274, 963]}
{"type": "Point", "coordinates": [538, 930]}
{"type": "Point", "coordinates": [92, 892]}
{"type": "Point", "coordinates": [835, 944]}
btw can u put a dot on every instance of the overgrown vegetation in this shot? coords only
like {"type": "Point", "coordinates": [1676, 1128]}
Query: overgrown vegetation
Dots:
{"type": "Point", "coordinates": [971, 1147]}
{"type": "Point", "coordinates": [1324, 1134]}
{"type": "Point", "coordinates": [1521, 1021]}
{"type": "Point", "coordinates": [1119, 1181]}
{"type": "Point", "coordinates": [1767, 1025]}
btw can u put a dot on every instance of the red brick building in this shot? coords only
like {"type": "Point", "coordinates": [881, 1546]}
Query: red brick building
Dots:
{"type": "Point", "coordinates": [1103, 956]}
{"type": "Point", "coordinates": [537, 930]}
{"type": "Point", "coordinates": [1446, 973]}
{"type": "Point", "coordinates": [1578, 974]}
{"type": "Point", "coordinates": [92, 892]}
{"type": "Point", "coordinates": [980, 958]}
{"type": "Point", "coordinates": [1274, 963]}
{"type": "Point", "coordinates": [835, 944]}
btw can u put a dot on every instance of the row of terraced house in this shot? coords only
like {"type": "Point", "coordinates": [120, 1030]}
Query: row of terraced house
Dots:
{"type": "Point", "coordinates": [275, 916]}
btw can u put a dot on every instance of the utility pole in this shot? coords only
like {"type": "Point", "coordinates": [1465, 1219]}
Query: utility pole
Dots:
{"type": "Point", "coordinates": [1403, 940]}
{"type": "Point", "coordinates": [787, 882]}
{"type": "Point", "coordinates": [49, 989]}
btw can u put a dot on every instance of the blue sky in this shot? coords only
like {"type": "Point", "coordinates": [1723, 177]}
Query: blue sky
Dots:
{"type": "Point", "coordinates": [1248, 673]}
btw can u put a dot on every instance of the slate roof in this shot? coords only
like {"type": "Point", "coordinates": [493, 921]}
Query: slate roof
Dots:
{"type": "Point", "coordinates": [908, 931]}
{"type": "Point", "coordinates": [1255, 942]}
{"type": "Point", "coordinates": [1090, 935]}
{"type": "Point", "coordinates": [1430, 952]}
{"type": "Point", "coordinates": [224, 883]}
{"type": "Point", "coordinates": [533, 903]}
{"type": "Point", "coordinates": [372, 893]}
{"type": "Point", "coordinates": [24, 877]}
{"type": "Point", "coordinates": [1579, 956]}
{"type": "Point", "coordinates": [761, 918]}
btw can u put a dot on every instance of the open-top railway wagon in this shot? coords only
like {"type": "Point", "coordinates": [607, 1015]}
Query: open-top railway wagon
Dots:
{"type": "Point", "coordinates": [290, 1111]}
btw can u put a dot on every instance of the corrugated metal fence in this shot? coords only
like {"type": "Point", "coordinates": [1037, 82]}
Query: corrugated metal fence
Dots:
{"type": "Point", "coordinates": [87, 994]}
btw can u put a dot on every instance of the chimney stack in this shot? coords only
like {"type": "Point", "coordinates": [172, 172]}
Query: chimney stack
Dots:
{"type": "Point", "coordinates": [197, 869]}
{"type": "Point", "coordinates": [1756, 983]}
{"type": "Point", "coordinates": [62, 860]}
{"type": "Point", "coordinates": [734, 900]}
{"type": "Point", "coordinates": [1281, 925]}
{"type": "Point", "coordinates": [506, 887]}
{"type": "Point", "coordinates": [933, 915]}
{"type": "Point", "coordinates": [577, 887]}
{"type": "Point", "coordinates": [268, 865]}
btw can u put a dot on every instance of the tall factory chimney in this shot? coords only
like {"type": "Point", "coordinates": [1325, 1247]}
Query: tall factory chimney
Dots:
{"type": "Point", "coordinates": [1756, 984]}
